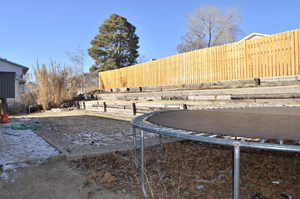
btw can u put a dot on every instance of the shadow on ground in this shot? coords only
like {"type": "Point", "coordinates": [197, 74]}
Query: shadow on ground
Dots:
{"type": "Point", "coordinates": [54, 180]}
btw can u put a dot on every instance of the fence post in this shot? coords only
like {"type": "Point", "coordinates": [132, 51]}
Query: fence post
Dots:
{"type": "Point", "coordinates": [104, 107]}
{"type": "Point", "coordinates": [133, 108]}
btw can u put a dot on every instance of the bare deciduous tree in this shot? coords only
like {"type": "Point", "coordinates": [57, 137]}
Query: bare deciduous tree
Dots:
{"type": "Point", "coordinates": [85, 81]}
{"type": "Point", "coordinates": [209, 26]}
{"type": "Point", "coordinates": [77, 57]}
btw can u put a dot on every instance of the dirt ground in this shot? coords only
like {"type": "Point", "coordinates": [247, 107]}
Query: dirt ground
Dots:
{"type": "Point", "coordinates": [191, 170]}
{"type": "Point", "coordinates": [178, 170]}
{"type": "Point", "coordinates": [54, 180]}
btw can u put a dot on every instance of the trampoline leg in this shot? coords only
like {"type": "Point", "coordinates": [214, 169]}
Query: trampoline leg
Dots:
{"type": "Point", "coordinates": [142, 165]}
{"type": "Point", "coordinates": [135, 144]}
{"type": "Point", "coordinates": [161, 143]}
{"type": "Point", "coordinates": [134, 137]}
{"type": "Point", "coordinates": [236, 173]}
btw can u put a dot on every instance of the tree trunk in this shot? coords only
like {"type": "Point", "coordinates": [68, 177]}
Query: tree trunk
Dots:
{"type": "Point", "coordinates": [209, 39]}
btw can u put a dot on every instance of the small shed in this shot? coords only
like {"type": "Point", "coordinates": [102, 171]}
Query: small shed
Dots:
{"type": "Point", "coordinates": [11, 82]}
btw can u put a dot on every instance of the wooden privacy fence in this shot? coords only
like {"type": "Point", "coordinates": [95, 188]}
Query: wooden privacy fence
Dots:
{"type": "Point", "coordinates": [274, 55]}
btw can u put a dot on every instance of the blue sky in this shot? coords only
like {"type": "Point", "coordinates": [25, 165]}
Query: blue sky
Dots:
{"type": "Point", "coordinates": [46, 30]}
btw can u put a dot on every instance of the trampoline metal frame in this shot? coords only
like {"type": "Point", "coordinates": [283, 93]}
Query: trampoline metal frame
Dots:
{"type": "Point", "coordinates": [143, 125]}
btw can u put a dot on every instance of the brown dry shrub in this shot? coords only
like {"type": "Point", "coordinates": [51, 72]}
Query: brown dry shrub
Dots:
{"type": "Point", "coordinates": [52, 85]}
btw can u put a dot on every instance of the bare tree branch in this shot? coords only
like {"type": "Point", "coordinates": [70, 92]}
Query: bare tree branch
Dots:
{"type": "Point", "coordinates": [208, 26]}
{"type": "Point", "coordinates": [77, 58]}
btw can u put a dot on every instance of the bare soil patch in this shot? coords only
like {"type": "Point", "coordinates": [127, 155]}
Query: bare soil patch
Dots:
{"type": "Point", "coordinates": [54, 180]}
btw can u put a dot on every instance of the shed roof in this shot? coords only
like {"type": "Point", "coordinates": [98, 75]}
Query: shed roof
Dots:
{"type": "Point", "coordinates": [24, 68]}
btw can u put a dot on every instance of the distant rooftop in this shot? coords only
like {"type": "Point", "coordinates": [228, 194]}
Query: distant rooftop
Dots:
{"type": "Point", "coordinates": [254, 36]}
{"type": "Point", "coordinates": [25, 69]}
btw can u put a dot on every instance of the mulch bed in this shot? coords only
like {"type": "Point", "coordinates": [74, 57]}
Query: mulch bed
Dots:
{"type": "Point", "coordinates": [193, 170]}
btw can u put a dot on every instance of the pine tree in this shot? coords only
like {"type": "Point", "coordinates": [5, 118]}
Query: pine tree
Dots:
{"type": "Point", "coordinates": [115, 46]}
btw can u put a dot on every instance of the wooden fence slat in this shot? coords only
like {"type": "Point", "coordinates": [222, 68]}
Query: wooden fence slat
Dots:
{"type": "Point", "coordinates": [297, 51]}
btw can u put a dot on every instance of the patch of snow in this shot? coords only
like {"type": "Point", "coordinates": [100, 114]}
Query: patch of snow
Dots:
{"type": "Point", "coordinates": [102, 139]}
{"type": "Point", "coordinates": [4, 176]}
{"type": "Point", "coordinates": [25, 119]}
{"type": "Point", "coordinates": [91, 138]}
{"type": "Point", "coordinates": [23, 145]}
{"type": "Point", "coordinates": [9, 169]}
{"type": "Point", "coordinates": [200, 187]}
{"type": "Point", "coordinates": [275, 182]}
{"type": "Point", "coordinates": [55, 110]}
{"type": "Point", "coordinates": [19, 146]}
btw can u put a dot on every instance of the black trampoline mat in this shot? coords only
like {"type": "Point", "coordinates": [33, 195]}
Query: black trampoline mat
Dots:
{"type": "Point", "coordinates": [267, 123]}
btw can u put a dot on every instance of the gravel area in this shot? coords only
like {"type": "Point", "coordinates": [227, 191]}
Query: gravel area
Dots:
{"type": "Point", "coordinates": [79, 134]}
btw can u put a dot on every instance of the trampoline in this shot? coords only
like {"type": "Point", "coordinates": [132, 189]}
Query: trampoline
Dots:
{"type": "Point", "coordinates": [270, 128]}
